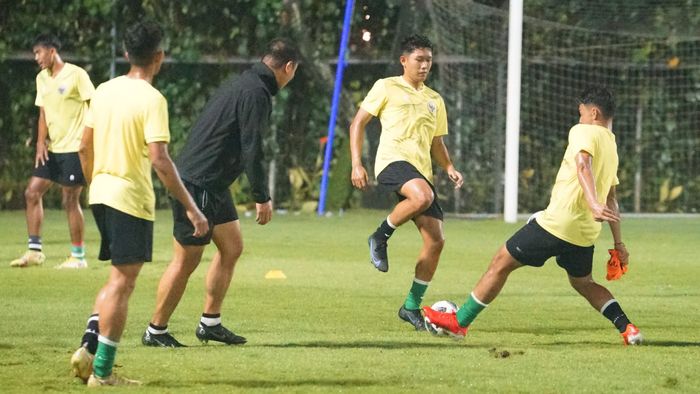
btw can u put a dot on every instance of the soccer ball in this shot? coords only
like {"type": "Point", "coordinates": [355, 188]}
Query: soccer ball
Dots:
{"type": "Point", "coordinates": [444, 307]}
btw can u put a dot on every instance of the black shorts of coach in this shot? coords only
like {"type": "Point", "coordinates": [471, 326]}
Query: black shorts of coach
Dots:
{"type": "Point", "coordinates": [126, 239]}
{"type": "Point", "coordinates": [396, 174]}
{"type": "Point", "coordinates": [532, 245]}
{"type": "Point", "coordinates": [216, 206]}
{"type": "Point", "coordinates": [62, 168]}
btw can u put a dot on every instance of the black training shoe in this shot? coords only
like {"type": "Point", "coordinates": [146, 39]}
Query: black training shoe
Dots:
{"type": "Point", "coordinates": [377, 252]}
{"type": "Point", "coordinates": [218, 333]}
{"type": "Point", "coordinates": [413, 317]}
{"type": "Point", "coordinates": [160, 340]}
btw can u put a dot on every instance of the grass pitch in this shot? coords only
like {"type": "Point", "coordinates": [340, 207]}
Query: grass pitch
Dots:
{"type": "Point", "coordinates": [332, 325]}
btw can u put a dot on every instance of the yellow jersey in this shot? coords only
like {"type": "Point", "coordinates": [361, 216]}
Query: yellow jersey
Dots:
{"type": "Point", "coordinates": [567, 216]}
{"type": "Point", "coordinates": [64, 97]}
{"type": "Point", "coordinates": [126, 115]}
{"type": "Point", "coordinates": [410, 119]}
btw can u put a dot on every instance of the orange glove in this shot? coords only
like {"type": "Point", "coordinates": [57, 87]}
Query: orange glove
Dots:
{"type": "Point", "coordinates": [615, 267]}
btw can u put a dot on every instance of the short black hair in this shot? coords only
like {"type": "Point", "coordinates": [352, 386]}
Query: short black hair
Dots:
{"type": "Point", "coordinates": [415, 41]}
{"type": "Point", "coordinates": [601, 97]}
{"type": "Point", "coordinates": [142, 42]}
{"type": "Point", "coordinates": [47, 40]}
{"type": "Point", "coordinates": [280, 51]}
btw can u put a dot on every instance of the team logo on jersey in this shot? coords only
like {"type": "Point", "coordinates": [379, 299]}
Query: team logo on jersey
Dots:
{"type": "Point", "coordinates": [432, 107]}
{"type": "Point", "coordinates": [61, 89]}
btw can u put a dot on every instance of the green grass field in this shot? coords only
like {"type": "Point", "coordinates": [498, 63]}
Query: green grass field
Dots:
{"type": "Point", "coordinates": [332, 325]}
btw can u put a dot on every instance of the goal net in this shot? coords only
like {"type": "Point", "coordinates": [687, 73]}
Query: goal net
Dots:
{"type": "Point", "coordinates": [638, 49]}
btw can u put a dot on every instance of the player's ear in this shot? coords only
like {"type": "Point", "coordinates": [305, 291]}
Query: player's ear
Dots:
{"type": "Point", "coordinates": [403, 59]}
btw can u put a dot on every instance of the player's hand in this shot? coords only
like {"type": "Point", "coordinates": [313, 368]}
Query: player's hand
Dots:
{"type": "Point", "coordinates": [359, 177]}
{"type": "Point", "coordinates": [42, 154]}
{"type": "Point", "coordinates": [263, 212]}
{"type": "Point", "coordinates": [622, 253]}
{"type": "Point", "coordinates": [601, 213]}
{"type": "Point", "coordinates": [455, 177]}
{"type": "Point", "coordinates": [199, 221]}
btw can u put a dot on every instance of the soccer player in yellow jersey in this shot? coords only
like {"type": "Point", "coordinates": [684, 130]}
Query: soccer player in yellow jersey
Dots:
{"type": "Point", "coordinates": [63, 91]}
{"type": "Point", "coordinates": [127, 125]}
{"type": "Point", "coordinates": [583, 196]}
{"type": "Point", "coordinates": [414, 120]}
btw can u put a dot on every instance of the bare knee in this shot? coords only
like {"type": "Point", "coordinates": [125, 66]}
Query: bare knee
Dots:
{"type": "Point", "coordinates": [582, 285]}
{"type": "Point", "coordinates": [423, 200]}
{"type": "Point", "coordinates": [436, 245]}
{"type": "Point", "coordinates": [32, 196]}
{"type": "Point", "coordinates": [502, 264]}
{"type": "Point", "coordinates": [123, 285]}
{"type": "Point", "coordinates": [230, 256]}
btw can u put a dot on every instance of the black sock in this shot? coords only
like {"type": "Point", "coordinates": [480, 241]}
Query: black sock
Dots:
{"type": "Point", "coordinates": [92, 330]}
{"type": "Point", "coordinates": [384, 230]}
{"type": "Point", "coordinates": [615, 314]}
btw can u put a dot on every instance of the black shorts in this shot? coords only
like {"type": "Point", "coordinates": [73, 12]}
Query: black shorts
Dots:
{"type": "Point", "coordinates": [532, 245]}
{"type": "Point", "coordinates": [216, 206]}
{"type": "Point", "coordinates": [125, 239]}
{"type": "Point", "coordinates": [62, 168]}
{"type": "Point", "coordinates": [393, 177]}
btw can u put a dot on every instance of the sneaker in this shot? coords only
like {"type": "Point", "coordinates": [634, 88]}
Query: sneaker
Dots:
{"type": "Point", "coordinates": [446, 321]}
{"type": "Point", "coordinates": [81, 363]}
{"type": "Point", "coordinates": [111, 380]}
{"type": "Point", "coordinates": [632, 335]}
{"type": "Point", "coordinates": [377, 253]}
{"type": "Point", "coordinates": [72, 263]}
{"type": "Point", "coordinates": [218, 333]}
{"type": "Point", "coordinates": [412, 317]}
{"type": "Point", "coordinates": [160, 340]}
{"type": "Point", "coordinates": [30, 257]}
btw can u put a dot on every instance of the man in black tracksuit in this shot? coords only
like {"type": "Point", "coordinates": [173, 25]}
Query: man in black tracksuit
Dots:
{"type": "Point", "coordinates": [225, 141]}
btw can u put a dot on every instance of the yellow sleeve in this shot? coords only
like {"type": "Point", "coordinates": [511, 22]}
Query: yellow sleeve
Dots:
{"type": "Point", "coordinates": [376, 99]}
{"type": "Point", "coordinates": [90, 117]}
{"type": "Point", "coordinates": [582, 139]}
{"type": "Point", "coordinates": [156, 121]}
{"type": "Point", "coordinates": [38, 101]}
{"type": "Point", "coordinates": [441, 126]}
{"type": "Point", "coordinates": [85, 86]}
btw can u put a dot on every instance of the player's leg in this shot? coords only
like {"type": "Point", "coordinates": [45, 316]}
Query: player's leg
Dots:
{"type": "Point", "coordinates": [187, 254]}
{"type": "Point", "coordinates": [229, 243]}
{"type": "Point", "coordinates": [429, 225]}
{"type": "Point", "coordinates": [485, 291]}
{"type": "Point", "coordinates": [172, 286]}
{"type": "Point", "coordinates": [578, 262]}
{"type": "Point", "coordinates": [416, 195]}
{"type": "Point", "coordinates": [33, 196]}
{"type": "Point", "coordinates": [113, 312]}
{"type": "Point", "coordinates": [128, 242]}
{"type": "Point", "coordinates": [531, 245]}
{"type": "Point", "coordinates": [76, 225]}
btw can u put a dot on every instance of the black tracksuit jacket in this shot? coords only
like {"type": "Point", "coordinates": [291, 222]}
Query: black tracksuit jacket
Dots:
{"type": "Point", "coordinates": [227, 137]}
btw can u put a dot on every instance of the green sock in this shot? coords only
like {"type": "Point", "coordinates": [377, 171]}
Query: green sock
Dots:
{"type": "Point", "coordinates": [468, 312]}
{"type": "Point", "coordinates": [104, 357]}
{"type": "Point", "coordinates": [77, 251]}
{"type": "Point", "coordinates": [415, 296]}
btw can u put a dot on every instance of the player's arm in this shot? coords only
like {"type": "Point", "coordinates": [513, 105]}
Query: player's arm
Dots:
{"type": "Point", "coordinates": [357, 137]}
{"type": "Point", "coordinates": [584, 170]}
{"type": "Point", "coordinates": [166, 171]}
{"type": "Point", "coordinates": [253, 118]}
{"type": "Point", "coordinates": [42, 149]}
{"type": "Point", "coordinates": [615, 227]}
{"type": "Point", "coordinates": [438, 151]}
{"type": "Point", "coordinates": [86, 154]}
